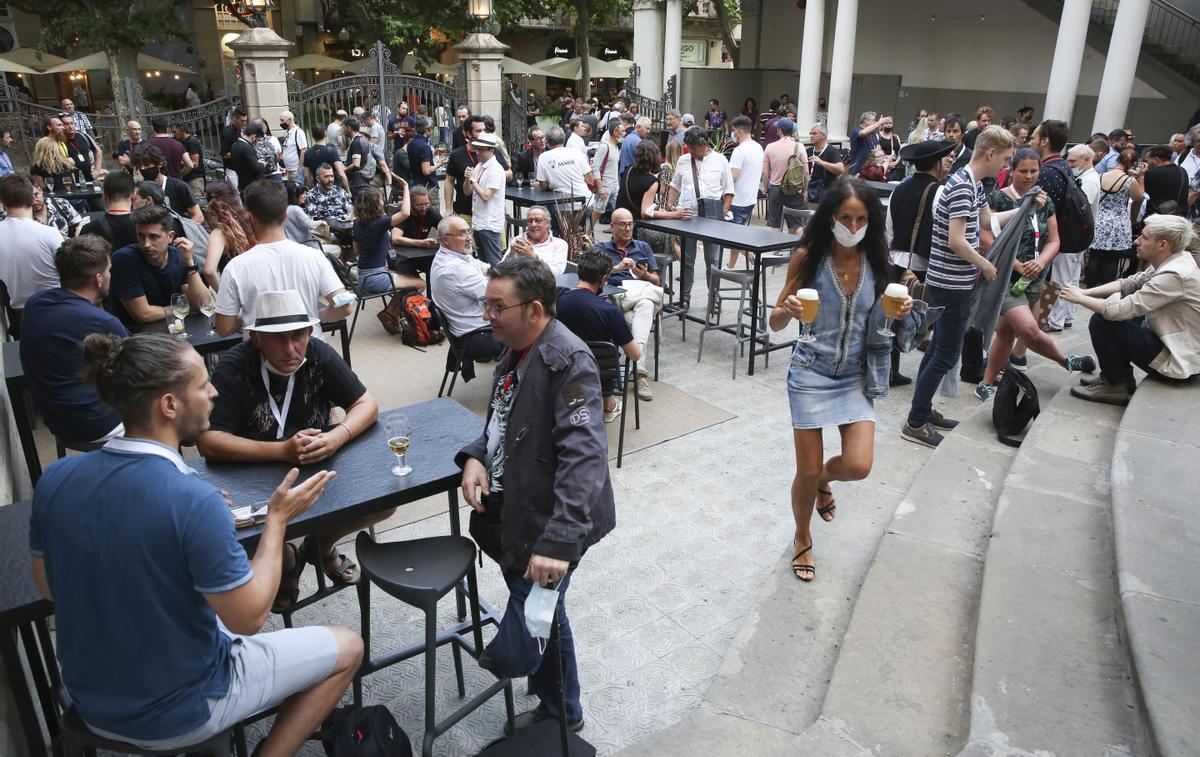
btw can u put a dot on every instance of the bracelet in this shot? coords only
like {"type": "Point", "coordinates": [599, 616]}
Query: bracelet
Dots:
{"type": "Point", "coordinates": [348, 431]}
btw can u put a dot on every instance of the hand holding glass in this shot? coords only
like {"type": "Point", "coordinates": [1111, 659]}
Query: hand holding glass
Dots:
{"type": "Point", "coordinates": [810, 305]}
{"type": "Point", "coordinates": [398, 434]}
{"type": "Point", "coordinates": [894, 298]}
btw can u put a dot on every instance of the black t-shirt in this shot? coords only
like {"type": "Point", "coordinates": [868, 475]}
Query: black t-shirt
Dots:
{"type": "Point", "coordinates": [243, 160]}
{"type": "Point", "coordinates": [455, 168]}
{"type": "Point", "coordinates": [133, 277]}
{"type": "Point", "coordinates": [229, 135]}
{"type": "Point", "coordinates": [401, 168]}
{"type": "Point", "coordinates": [634, 185]}
{"type": "Point", "coordinates": [116, 228]}
{"type": "Point", "coordinates": [361, 148]}
{"type": "Point", "coordinates": [192, 146]}
{"type": "Point", "coordinates": [124, 147]}
{"type": "Point", "coordinates": [54, 182]}
{"type": "Point", "coordinates": [179, 196]}
{"type": "Point", "coordinates": [418, 227]}
{"type": "Point", "coordinates": [1166, 183]}
{"type": "Point", "coordinates": [419, 152]}
{"type": "Point", "coordinates": [820, 176]}
{"type": "Point", "coordinates": [318, 154]}
{"type": "Point", "coordinates": [242, 408]}
{"type": "Point", "coordinates": [374, 240]}
{"type": "Point", "coordinates": [592, 318]}
{"type": "Point", "coordinates": [82, 151]}
{"type": "Point", "coordinates": [458, 140]}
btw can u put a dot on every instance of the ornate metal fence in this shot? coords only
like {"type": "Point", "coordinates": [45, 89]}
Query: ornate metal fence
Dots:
{"type": "Point", "coordinates": [655, 110]}
{"type": "Point", "coordinates": [515, 119]}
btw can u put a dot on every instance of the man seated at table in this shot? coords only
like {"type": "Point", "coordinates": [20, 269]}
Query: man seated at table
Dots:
{"type": "Point", "coordinates": [26, 247]}
{"type": "Point", "coordinates": [327, 200]}
{"type": "Point", "coordinates": [56, 323]}
{"type": "Point", "coordinates": [1149, 319]}
{"type": "Point", "coordinates": [457, 283]}
{"type": "Point", "coordinates": [114, 224]}
{"type": "Point", "coordinates": [635, 269]}
{"type": "Point", "coordinates": [146, 274]}
{"type": "Point", "coordinates": [540, 242]}
{"type": "Point", "coordinates": [292, 421]}
{"type": "Point", "coordinates": [424, 218]}
{"type": "Point", "coordinates": [277, 264]}
{"type": "Point", "coordinates": [157, 629]}
{"type": "Point", "coordinates": [593, 318]}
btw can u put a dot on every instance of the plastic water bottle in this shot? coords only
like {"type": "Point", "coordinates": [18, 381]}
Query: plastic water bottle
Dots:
{"type": "Point", "coordinates": [1018, 288]}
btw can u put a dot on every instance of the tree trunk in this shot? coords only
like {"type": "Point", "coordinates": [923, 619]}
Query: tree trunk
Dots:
{"type": "Point", "coordinates": [727, 32]}
{"type": "Point", "coordinates": [122, 64]}
{"type": "Point", "coordinates": [582, 49]}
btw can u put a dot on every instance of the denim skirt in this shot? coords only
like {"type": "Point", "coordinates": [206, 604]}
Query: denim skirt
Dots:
{"type": "Point", "coordinates": [818, 401]}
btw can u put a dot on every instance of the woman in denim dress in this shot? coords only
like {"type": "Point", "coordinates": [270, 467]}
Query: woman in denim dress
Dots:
{"type": "Point", "coordinates": [834, 380]}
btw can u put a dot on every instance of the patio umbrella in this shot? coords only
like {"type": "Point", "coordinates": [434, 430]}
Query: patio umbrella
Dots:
{"type": "Point", "coordinates": [545, 64]}
{"type": "Point", "coordinates": [16, 68]}
{"type": "Point", "coordinates": [597, 69]}
{"type": "Point", "coordinates": [516, 67]}
{"type": "Point", "coordinates": [100, 61]}
{"type": "Point", "coordinates": [318, 62]}
{"type": "Point", "coordinates": [27, 56]}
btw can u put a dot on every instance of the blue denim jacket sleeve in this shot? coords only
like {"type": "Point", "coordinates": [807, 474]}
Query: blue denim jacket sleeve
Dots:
{"type": "Point", "coordinates": [879, 348]}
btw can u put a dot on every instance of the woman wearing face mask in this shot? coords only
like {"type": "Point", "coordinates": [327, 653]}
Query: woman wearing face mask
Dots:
{"type": "Point", "coordinates": [1039, 245]}
{"type": "Point", "coordinates": [833, 380]}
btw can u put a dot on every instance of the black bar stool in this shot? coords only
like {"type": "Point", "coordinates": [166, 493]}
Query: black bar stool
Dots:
{"type": "Point", "coordinates": [78, 740]}
{"type": "Point", "coordinates": [419, 573]}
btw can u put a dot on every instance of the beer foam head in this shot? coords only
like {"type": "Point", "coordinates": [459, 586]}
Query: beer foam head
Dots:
{"type": "Point", "coordinates": [807, 294]}
{"type": "Point", "coordinates": [896, 290]}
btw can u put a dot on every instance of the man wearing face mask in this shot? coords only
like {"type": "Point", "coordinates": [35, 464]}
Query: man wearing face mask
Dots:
{"type": "Point", "coordinates": [537, 479]}
{"type": "Point", "coordinates": [150, 161]}
{"type": "Point", "coordinates": [294, 143]}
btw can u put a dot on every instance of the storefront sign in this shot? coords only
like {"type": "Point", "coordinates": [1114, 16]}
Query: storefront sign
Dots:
{"type": "Point", "coordinates": [694, 51]}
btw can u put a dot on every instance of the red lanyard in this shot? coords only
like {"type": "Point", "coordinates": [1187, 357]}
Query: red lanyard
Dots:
{"type": "Point", "coordinates": [511, 375]}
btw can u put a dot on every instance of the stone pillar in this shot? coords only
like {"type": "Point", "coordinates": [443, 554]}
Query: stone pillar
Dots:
{"type": "Point", "coordinates": [841, 70]}
{"type": "Point", "coordinates": [748, 55]}
{"type": "Point", "coordinates": [1119, 68]}
{"type": "Point", "coordinates": [1068, 59]}
{"type": "Point", "coordinates": [811, 55]}
{"type": "Point", "coordinates": [262, 55]}
{"type": "Point", "coordinates": [672, 44]}
{"type": "Point", "coordinates": [648, 46]}
{"type": "Point", "coordinates": [485, 87]}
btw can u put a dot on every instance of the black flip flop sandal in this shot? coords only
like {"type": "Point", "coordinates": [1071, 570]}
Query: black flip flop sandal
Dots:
{"type": "Point", "coordinates": [798, 569]}
{"type": "Point", "coordinates": [830, 509]}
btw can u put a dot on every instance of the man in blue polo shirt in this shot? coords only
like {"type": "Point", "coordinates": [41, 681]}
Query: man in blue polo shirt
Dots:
{"type": "Point", "coordinates": [635, 269]}
{"type": "Point", "coordinates": [158, 609]}
{"type": "Point", "coordinates": [146, 274]}
{"type": "Point", "coordinates": [593, 318]}
{"type": "Point", "coordinates": [56, 322]}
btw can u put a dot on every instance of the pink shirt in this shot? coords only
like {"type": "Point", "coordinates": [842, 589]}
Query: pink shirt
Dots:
{"type": "Point", "coordinates": [775, 159]}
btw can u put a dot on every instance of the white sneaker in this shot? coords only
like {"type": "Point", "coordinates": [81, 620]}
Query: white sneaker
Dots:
{"type": "Point", "coordinates": [612, 415]}
{"type": "Point", "coordinates": [644, 392]}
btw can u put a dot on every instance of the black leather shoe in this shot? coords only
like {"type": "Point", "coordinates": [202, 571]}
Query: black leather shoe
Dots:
{"type": "Point", "coordinates": [535, 716]}
{"type": "Point", "coordinates": [899, 379]}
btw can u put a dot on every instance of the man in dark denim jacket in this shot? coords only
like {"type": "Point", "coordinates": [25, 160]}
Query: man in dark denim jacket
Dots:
{"type": "Point", "coordinates": [541, 466]}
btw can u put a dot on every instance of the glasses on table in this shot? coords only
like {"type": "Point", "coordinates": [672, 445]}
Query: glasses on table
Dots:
{"type": "Point", "coordinates": [209, 308]}
{"type": "Point", "coordinates": [398, 433]}
{"type": "Point", "coordinates": [181, 308]}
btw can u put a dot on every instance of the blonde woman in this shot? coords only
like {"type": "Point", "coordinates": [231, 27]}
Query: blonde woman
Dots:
{"type": "Point", "coordinates": [50, 165]}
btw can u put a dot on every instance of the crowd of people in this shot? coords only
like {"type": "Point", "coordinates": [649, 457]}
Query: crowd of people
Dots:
{"type": "Point", "coordinates": [80, 281]}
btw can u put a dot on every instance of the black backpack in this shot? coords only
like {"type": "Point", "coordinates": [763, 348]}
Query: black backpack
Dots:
{"type": "Point", "coordinates": [1014, 407]}
{"type": "Point", "coordinates": [363, 732]}
{"type": "Point", "coordinates": [1076, 227]}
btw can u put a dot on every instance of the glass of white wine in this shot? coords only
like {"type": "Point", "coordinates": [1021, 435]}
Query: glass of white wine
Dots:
{"type": "Point", "coordinates": [398, 433]}
{"type": "Point", "coordinates": [181, 308]}
{"type": "Point", "coordinates": [209, 308]}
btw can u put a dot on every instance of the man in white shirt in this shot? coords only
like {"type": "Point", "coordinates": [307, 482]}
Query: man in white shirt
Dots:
{"type": "Point", "coordinates": [277, 264]}
{"type": "Point", "coordinates": [1191, 161]}
{"type": "Point", "coordinates": [294, 142]}
{"type": "Point", "coordinates": [1066, 267]}
{"type": "Point", "coordinates": [485, 181]}
{"type": "Point", "coordinates": [604, 167]}
{"type": "Point", "coordinates": [333, 134]}
{"type": "Point", "coordinates": [579, 134]}
{"type": "Point", "coordinates": [26, 247]}
{"type": "Point", "coordinates": [457, 283]}
{"type": "Point", "coordinates": [540, 242]}
{"type": "Point", "coordinates": [746, 167]}
{"type": "Point", "coordinates": [708, 189]}
{"type": "Point", "coordinates": [565, 171]}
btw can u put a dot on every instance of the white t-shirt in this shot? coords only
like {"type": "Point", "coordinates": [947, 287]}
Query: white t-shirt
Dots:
{"type": "Point", "coordinates": [564, 170]}
{"type": "Point", "coordinates": [276, 267]}
{"type": "Point", "coordinates": [488, 215]}
{"type": "Point", "coordinates": [715, 179]}
{"type": "Point", "coordinates": [333, 138]}
{"type": "Point", "coordinates": [575, 142]}
{"type": "Point", "coordinates": [609, 176]}
{"type": "Point", "coordinates": [553, 252]}
{"type": "Point", "coordinates": [748, 158]}
{"type": "Point", "coordinates": [27, 258]}
{"type": "Point", "coordinates": [294, 144]}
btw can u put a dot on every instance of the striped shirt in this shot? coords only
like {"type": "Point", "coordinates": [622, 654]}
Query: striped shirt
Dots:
{"type": "Point", "coordinates": [961, 197]}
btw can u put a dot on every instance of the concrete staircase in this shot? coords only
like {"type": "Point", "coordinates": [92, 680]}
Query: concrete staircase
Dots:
{"type": "Point", "coordinates": [986, 623]}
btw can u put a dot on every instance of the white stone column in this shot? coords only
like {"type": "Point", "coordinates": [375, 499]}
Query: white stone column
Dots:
{"type": "Point", "coordinates": [751, 42]}
{"type": "Point", "coordinates": [262, 54]}
{"type": "Point", "coordinates": [841, 69]}
{"type": "Point", "coordinates": [485, 88]}
{"type": "Point", "coordinates": [1068, 59]}
{"type": "Point", "coordinates": [672, 44]}
{"type": "Point", "coordinates": [648, 46]}
{"type": "Point", "coordinates": [811, 55]}
{"type": "Point", "coordinates": [1121, 65]}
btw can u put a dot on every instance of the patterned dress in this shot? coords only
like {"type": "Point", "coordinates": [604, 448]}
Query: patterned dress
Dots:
{"type": "Point", "coordinates": [1114, 230]}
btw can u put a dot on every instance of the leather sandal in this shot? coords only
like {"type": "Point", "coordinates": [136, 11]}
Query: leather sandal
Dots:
{"type": "Point", "coordinates": [289, 581]}
{"type": "Point", "coordinates": [829, 511]}
{"type": "Point", "coordinates": [805, 573]}
{"type": "Point", "coordinates": [344, 570]}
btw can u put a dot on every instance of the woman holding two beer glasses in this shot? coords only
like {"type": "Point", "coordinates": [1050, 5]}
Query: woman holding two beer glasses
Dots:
{"type": "Point", "coordinates": [837, 287]}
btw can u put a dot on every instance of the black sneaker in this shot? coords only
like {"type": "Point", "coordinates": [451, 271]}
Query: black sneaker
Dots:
{"type": "Point", "coordinates": [937, 420]}
{"type": "Point", "coordinates": [1084, 363]}
{"type": "Point", "coordinates": [924, 435]}
{"type": "Point", "coordinates": [899, 379]}
{"type": "Point", "coordinates": [535, 716]}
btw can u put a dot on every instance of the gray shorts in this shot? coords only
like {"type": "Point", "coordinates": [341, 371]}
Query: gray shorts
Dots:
{"type": "Point", "coordinates": [265, 669]}
{"type": "Point", "coordinates": [1029, 297]}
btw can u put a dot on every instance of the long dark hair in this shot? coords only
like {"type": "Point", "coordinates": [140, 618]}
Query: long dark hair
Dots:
{"type": "Point", "coordinates": [818, 233]}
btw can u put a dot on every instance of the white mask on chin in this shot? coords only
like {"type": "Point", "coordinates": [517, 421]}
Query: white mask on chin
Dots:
{"type": "Point", "coordinates": [847, 238]}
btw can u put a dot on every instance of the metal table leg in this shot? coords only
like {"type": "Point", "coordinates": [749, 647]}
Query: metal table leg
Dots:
{"type": "Point", "coordinates": [755, 295]}
{"type": "Point", "coordinates": [19, 687]}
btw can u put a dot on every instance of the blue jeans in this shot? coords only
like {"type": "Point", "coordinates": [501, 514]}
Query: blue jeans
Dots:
{"type": "Point", "coordinates": [487, 246]}
{"type": "Point", "coordinates": [741, 213]}
{"type": "Point", "coordinates": [705, 208]}
{"type": "Point", "coordinates": [516, 654]}
{"type": "Point", "coordinates": [1119, 343]}
{"type": "Point", "coordinates": [943, 351]}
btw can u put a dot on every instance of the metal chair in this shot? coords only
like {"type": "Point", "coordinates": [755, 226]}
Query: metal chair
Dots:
{"type": "Point", "coordinates": [77, 740]}
{"type": "Point", "coordinates": [453, 363]}
{"type": "Point", "coordinates": [339, 327]}
{"type": "Point", "coordinates": [741, 282]}
{"type": "Point", "coordinates": [795, 217]}
{"type": "Point", "coordinates": [614, 381]}
{"type": "Point", "coordinates": [419, 573]}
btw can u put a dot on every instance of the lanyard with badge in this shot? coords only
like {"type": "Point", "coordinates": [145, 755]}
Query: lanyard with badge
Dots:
{"type": "Point", "coordinates": [280, 413]}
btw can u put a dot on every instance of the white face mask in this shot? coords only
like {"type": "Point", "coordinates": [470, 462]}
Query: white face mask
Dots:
{"type": "Point", "coordinates": [847, 238]}
{"type": "Point", "coordinates": [1077, 171]}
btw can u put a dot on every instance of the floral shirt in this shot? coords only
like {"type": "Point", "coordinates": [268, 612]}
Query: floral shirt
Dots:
{"type": "Point", "coordinates": [61, 215]}
{"type": "Point", "coordinates": [321, 206]}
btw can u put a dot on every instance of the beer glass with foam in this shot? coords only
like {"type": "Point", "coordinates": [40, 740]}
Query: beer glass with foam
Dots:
{"type": "Point", "coordinates": [810, 305]}
{"type": "Point", "coordinates": [894, 298]}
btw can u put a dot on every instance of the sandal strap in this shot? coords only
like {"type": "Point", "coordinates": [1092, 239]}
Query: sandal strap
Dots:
{"type": "Point", "coordinates": [827, 508]}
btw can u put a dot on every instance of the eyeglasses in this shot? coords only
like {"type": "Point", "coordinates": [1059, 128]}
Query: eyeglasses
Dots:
{"type": "Point", "coordinates": [624, 225]}
{"type": "Point", "coordinates": [498, 309]}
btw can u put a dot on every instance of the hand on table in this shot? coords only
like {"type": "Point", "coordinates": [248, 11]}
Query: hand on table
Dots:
{"type": "Point", "coordinates": [294, 447]}
{"type": "Point", "coordinates": [543, 570]}
{"type": "Point", "coordinates": [320, 446]}
{"type": "Point", "coordinates": [287, 501]}
{"type": "Point", "coordinates": [475, 479]}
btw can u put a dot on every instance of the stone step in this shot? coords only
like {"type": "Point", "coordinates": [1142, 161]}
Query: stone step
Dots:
{"type": "Point", "coordinates": [1050, 671]}
{"type": "Point", "coordinates": [1158, 557]}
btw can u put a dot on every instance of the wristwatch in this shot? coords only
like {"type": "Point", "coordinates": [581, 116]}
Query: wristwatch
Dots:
{"type": "Point", "coordinates": [193, 268]}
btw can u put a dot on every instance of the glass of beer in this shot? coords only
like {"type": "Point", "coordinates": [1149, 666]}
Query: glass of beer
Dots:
{"type": "Point", "coordinates": [810, 305]}
{"type": "Point", "coordinates": [894, 298]}
{"type": "Point", "coordinates": [398, 434]}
